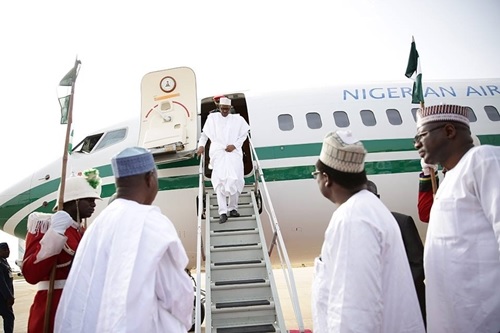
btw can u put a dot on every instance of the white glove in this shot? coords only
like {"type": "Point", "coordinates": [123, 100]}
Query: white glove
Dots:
{"type": "Point", "coordinates": [61, 221]}
{"type": "Point", "coordinates": [426, 168]}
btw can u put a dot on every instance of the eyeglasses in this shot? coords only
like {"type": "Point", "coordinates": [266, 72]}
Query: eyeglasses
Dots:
{"type": "Point", "coordinates": [315, 174]}
{"type": "Point", "coordinates": [419, 136]}
{"type": "Point", "coordinates": [225, 108]}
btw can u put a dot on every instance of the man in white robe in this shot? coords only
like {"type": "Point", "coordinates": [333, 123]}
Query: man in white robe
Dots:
{"type": "Point", "coordinates": [462, 248]}
{"type": "Point", "coordinates": [227, 133]}
{"type": "Point", "coordinates": [362, 281]}
{"type": "Point", "coordinates": [129, 275]}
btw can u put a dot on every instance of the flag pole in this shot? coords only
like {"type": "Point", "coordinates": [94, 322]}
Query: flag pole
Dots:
{"type": "Point", "coordinates": [413, 69]}
{"type": "Point", "coordinates": [60, 201]}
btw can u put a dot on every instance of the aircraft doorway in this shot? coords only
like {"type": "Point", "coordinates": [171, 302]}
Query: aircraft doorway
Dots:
{"type": "Point", "coordinates": [239, 106]}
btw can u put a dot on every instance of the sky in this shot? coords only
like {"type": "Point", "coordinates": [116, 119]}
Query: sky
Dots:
{"type": "Point", "coordinates": [231, 46]}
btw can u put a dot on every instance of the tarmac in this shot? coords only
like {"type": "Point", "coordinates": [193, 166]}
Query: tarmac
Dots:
{"type": "Point", "coordinates": [25, 292]}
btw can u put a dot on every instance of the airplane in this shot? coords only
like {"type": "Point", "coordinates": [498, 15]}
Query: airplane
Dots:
{"type": "Point", "coordinates": [287, 129]}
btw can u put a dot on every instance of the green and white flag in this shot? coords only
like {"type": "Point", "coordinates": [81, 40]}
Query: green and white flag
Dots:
{"type": "Point", "coordinates": [70, 144]}
{"type": "Point", "coordinates": [64, 102]}
{"type": "Point", "coordinates": [68, 81]}
{"type": "Point", "coordinates": [414, 72]}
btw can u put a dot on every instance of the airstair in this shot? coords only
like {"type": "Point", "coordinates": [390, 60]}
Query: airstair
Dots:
{"type": "Point", "coordinates": [240, 291]}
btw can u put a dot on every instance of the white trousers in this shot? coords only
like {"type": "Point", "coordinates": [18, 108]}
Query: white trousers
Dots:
{"type": "Point", "coordinates": [224, 208]}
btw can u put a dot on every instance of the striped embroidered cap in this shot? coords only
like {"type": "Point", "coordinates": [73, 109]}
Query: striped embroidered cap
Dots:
{"type": "Point", "coordinates": [443, 112]}
{"type": "Point", "coordinates": [342, 152]}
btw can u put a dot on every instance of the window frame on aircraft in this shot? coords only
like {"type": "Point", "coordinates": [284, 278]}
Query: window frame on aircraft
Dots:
{"type": "Point", "coordinates": [391, 116]}
{"type": "Point", "coordinates": [471, 114]}
{"type": "Point", "coordinates": [492, 113]}
{"type": "Point", "coordinates": [414, 113]}
{"type": "Point", "coordinates": [110, 138]}
{"type": "Point", "coordinates": [313, 120]}
{"type": "Point", "coordinates": [337, 118]}
{"type": "Point", "coordinates": [88, 144]}
{"type": "Point", "coordinates": [368, 117]}
{"type": "Point", "coordinates": [285, 122]}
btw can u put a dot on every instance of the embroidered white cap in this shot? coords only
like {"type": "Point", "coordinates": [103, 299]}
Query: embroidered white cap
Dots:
{"type": "Point", "coordinates": [443, 112]}
{"type": "Point", "coordinates": [342, 152]}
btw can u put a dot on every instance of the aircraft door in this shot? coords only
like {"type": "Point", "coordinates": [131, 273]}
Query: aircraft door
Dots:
{"type": "Point", "coordinates": [169, 114]}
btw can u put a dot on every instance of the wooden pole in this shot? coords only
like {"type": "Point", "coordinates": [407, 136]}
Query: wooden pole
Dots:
{"type": "Point", "coordinates": [50, 291]}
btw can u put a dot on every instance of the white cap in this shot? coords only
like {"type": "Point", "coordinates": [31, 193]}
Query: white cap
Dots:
{"type": "Point", "coordinates": [342, 152]}
{"type": "Point", "coordinates": [81, 187]}
{"type": "Point", "coordinates": [224, 101]}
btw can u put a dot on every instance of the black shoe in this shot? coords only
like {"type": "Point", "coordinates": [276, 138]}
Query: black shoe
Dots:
{"type": "Point", "coordinates": [234, 213]}
{"type": "Point", "coordinates": [222, 218]}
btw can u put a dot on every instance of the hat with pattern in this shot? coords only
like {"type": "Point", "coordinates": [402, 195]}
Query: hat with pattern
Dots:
{"type": "Point", "coordinates": [342, 152]}
{"type": "Point", "coordinates": [443, 112]}
{"type": "Point", "coordinates": [132, 161]}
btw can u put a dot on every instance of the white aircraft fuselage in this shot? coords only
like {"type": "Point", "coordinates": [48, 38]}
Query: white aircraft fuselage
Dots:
{"type": "Point", "coordinates": [287, 128]}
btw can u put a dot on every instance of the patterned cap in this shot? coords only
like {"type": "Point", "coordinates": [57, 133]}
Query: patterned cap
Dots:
{"type": "Point", "coordinates": [442, 112]}
{"type": "Point", "coordinates": [132, 161]}
{"type": "Point", "coordinates": [342, 152]}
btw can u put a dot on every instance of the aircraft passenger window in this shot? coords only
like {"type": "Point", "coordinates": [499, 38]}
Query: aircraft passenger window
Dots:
{"type": "Point", "coordinates": [471, 115]}
{"type": "Point", "coordinates": [112, 137]}
{"type": "Point", "coordinates": [368, 117]}
{"type": "Point", "coordinates": [313, 120]}
{"type": "Point", "coordinates": [414, 113]}
{"type": "Point", "coordinates": [285, 122]}
{"type": "Point", "coordinates": [88, 144]}
{"type": "Point", "coordinates": [341, 119]}
{"type": "Point", "coordinates": [393, 116]}
{"type": "Point", "coordinates": [492, 113]}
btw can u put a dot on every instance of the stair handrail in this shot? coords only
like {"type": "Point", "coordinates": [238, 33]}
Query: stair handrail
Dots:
{"type": "Point", "coordinates": [201, 196]}
{"type": "Point", "coordinates": [277, 236]}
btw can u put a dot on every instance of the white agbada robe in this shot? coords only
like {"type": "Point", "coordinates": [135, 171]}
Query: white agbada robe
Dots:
{"type": "Point", "coordinates": [128, 276]}
{"type": "Point", "coordinates": [363, 281]}
{"type": "Point", "coordinates": [462, 250]}
{"type": "Point", "coordinates": [227, 173]}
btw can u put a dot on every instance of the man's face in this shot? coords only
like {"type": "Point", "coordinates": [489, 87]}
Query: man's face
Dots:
{"type": "Point", "coordinates": [429, 142]}
{"type": "Point", "coordinates": [86, 206]}
{"type": "Point", "coordinates": [224, 110]}
{"type": "Point", "coordinates": [4, 252]}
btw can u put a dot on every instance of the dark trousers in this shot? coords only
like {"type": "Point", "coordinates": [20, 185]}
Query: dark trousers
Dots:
{"type": "Point", "coordinates": [8, 318]}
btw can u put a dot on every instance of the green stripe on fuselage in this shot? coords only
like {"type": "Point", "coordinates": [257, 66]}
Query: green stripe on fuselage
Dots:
{"type": "Point", "coordinates": [264, 153]}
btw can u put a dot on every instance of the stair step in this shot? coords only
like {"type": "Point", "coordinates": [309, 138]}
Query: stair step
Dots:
{"type": "Point", "coordinates": [239, 304]}
{"type": "Point", "coordinates": [238, 272]}
{"type": "Point", "coordinates": [221, 231]}
{"type": "Point", "coordinates": [217, 248]}
{"type": "Point", "coordinates": [234, 238]}
{"type": "Point", "coordinates": [266, 328]}
{"type": "Point", "coordinates": [241, 292]}
{"type": "Point", "coordinates": [241, 262]}
{"type": "Point", "coordinates": [214, 218]}
{"type": "Point", "coordinates": [238, 282]}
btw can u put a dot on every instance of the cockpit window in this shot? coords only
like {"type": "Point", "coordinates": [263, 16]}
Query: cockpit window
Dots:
{"type": "Point", "coordinates": [88, 144]}
{"type": "Point", "coordinates": [94, 142]}
{"type": "Point", "coordinates": [112, 137]}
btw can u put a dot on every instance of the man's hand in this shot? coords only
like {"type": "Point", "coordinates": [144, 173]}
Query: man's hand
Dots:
{"type": "Point", "coordinates": [230, 148]}
{"type": "Point", "coordinates": [200, 151]}
{"type": "Point", "coordinates": [426, 168]}
{"type": "Point", "coordinates": [61, 221]}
